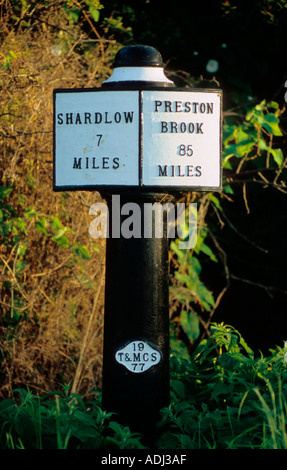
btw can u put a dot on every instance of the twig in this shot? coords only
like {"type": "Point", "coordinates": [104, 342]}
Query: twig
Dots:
{"type": "Point", "coordinates": [14, 278]}
{"type": "Point", "coordinates": [245, 198]}
{"type": "Point", "coordinates": [262, 286]}
{"type": "Point", "coordinates": [85, 343]}
{"type": "Point", "coordinates": [280, 170]}
{"type": "Point", "coordinates": [243, 236]}
{"type": "Point", "coordinates": [280, 187]}
{"type": "Point", "coordinates": [61, 265]}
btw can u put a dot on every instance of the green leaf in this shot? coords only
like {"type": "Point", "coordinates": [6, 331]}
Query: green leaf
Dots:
{"type": "Point", "coordinates": [220, 389]}
{"type": "Point", "coordinates": [116, 427]}
{"type": "Point", "coordinates": [262, 145]}
{"type": "Point", "coordinates": [9, 59]}
{"type": "Point", "coordinates": [21, 225]}
{"type": "Point", "coordinates": [4, 192]}
{"type": "Point", "coordinates": [256, 115]}
{"type": "Point", "coordinates": [195, 264]}
{"type": "Point", "coordinates": [59, 233]}
{"type": "Point", "coordinates": [278, 156]}
{"type": "Point", "coordinates": [228, 189]}
{"type": "Point", "coordinates": [56, 224]}
{"type": "Point", "coordinates": [21, 199]}
{"type": "Point", "coordinates": [228, 133]}
{"type": "Point", "coordinates": [62, 241]}
{"type": "Point", "coordinates": [82, 251]}
{"type": "Point", "coordinates": [202, 247]}
{"type": "Point", "coordinates": [240, 149]}
{"type": "Point", "coordinates": [241, 136]}
{"type": "Point", "coordinates": [273, 105]}
{"type": "Point", "coordinates": [208, 251]}
{"type": "Point", "coordinates": [197, 289]}
{"type": "Point", "coordinates": [74, 15]}
{"type": "Point", "coordinates": [22, 248]}
{"type": "Point", "coordinates": [215, 201]}
{"type": "Point", "coordinates": [190, 323]}
{"type": "Point", "coordinates": [178, 388]}
{"type": "Point", "coordinates": [95, 14]}
{"type": "Point", "coordinates": [41, 225]}
{"type": "Point", "coordinates": [225, 161]}
{"type": "Point", "coordinates": [20, 265]}
{"type": "Point", "coordinates": [30, 212]}
{"type": "Point", "coordinates": [271, 124]}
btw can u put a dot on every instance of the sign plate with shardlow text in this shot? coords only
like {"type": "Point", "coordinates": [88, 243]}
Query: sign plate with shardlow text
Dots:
{"type": "Point", "coordinates": [153, 139]}
{"type": "Point", "coordinates": [96, 139]}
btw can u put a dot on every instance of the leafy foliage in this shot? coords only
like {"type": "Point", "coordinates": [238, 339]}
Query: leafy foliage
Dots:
{"type": "Point", "coordinates": [248, 146]}
{"type": "Point", "coordinates": [60, 420]}
{"type": "Point", "coordinates": [225, 398]}
{"type": "Point", "coordinates": [51, 281]}
{"type": "Point", "coordinates": [221, 398]}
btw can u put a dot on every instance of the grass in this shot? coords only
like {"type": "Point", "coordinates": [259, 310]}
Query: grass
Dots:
{"type": "Point", "coordinates": [230, 400]}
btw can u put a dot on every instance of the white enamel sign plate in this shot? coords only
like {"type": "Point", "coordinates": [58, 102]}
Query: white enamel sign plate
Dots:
{"type": "Point", "coordinates": [96, 139]}
{"type": "Point", "coordinates": [130, 138]}
{"type": "Point", "coordinates": [181, 139]}
{"type": "Point", "coordinates": [138, 356]}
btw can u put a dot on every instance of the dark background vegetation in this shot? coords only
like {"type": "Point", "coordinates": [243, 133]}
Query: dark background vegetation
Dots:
{"type": "Point", "coordinates": [52, 272]}
{"type": "Point", "coordinates": [248, 39]}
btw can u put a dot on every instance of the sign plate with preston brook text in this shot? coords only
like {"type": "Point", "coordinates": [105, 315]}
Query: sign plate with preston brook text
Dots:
{"type": "Point", "coordinates": [153, 139]}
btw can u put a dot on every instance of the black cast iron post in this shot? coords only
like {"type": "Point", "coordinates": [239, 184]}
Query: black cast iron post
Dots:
{"type": "Point", "coordinates": [136, 314]}
{"type": "Point", "coordinates": [136, 324]}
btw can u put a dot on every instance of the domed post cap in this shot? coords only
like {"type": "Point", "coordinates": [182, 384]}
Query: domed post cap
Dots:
{"type": "Point", "coordinates": [138, 56]}
{"type": "Point", "coordinates": [141, 64]}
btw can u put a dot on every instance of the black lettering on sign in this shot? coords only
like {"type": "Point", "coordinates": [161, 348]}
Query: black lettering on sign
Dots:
{"type": "Point", "coordinates": [187, 107]}
{"type": "Point", "coordinates": [167, 107]}
{"type": "Point", "coordinates": [60, 118]}
{"type": "Point", "coordinates": [158, 104]}
{"type": "Point", "coordinates": [95, 163]}
{"type": "Point", "coordinates": [179, 170]}
{"type": "Point", "coordinates": [69, 118]}
{"type": "Point", "coordinates": [78, 119]}
{"type": "Point", "coordinates": [106, 163]}
{"type": "Point", "coordinates": [116, 163]}
{"type": "Point", "coordinates": [88, 118]}
{"type": "Point", "coordinates": [77, 163]}
{"type": "Point", "coordinates": [98, 118]}
{"type": "Point", "coordinates": [181, 127]}
{"type": "Point", "coordinates": [182, 107]}
{"type": "Point", "coordinates": [178, 107]}
{"type": "Point", "coordinates": [129, 116]}
{"type": "Point", "coordinates": [153, 357]}
{"type": "Point", "coordinates": [162, 170]}
{"type": "Point", "coordinates": [183, 150]}
{"type": "Point", "coordinates": [164, 127]}
{"type": "Point", "coordinates": [138, 356]}
{"type": "Point", "coordinates": [85, 118]}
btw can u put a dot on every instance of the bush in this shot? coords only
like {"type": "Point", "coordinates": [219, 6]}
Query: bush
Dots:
{"type": "Point", "coordinates": [221, 398]}
{"type": "Point", "coordinates": [52, 272]}
{"type": "Point", "coordinates": [224, 397]}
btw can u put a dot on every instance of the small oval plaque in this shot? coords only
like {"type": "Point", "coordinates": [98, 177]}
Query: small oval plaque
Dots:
{"type": "Point", "coordinates": [138, 356]}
